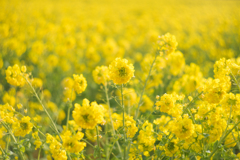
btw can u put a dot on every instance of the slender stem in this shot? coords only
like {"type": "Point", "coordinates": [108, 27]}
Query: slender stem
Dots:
{"type": "Point", "coordinates": [44, 108]}
{"type": "Point", "coordinates": [39, 153]}
{"type": "Point", "coordinates": [3, 152]}
{"type": "Point", "coordinates": [224, 134]}
{"type": "Point", "coordinates": [124, 147]}
{"type": "Point", "coordinates": [235, 80]}
{"type": "Point", "coordinates": [98, 141]}
{"type": "Point", "coordinates": [88, 143]}
{"type": "Point", "coordinates": [8, 139]}
{"type": "Point", "coordinates": [69, 156]}
{"type": "Point", "coordinates": [237, 138]}
{"type": "Point", "coordinates": [110, 116]}
{"type": "Point", "coordinates": [186, 108]}
{"type": "Point", "coordinates": [69, 107]}
{"type": "Point", "coordinates": [190, 114]}
{"type": "Point", "coordinates": [145, 84]}
{"type": "Point", "coordinates": [14, 139]}
{"type": "Point", "coordinates": [223, 139]}
{"type": "Point", "coordinates": [106, 145]}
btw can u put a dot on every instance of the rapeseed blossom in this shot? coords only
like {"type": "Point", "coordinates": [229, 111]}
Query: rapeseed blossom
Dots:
{"type": "Point", "coordinates": [120, 71]}
{"type": "Point", "coordinates": [80, 83]}
{"type": "Point", "coordinates": [88, 115]}
{"type": "Point", "coordinates": [23, 126]}
{"type": "Point", "coordinates": [195, 81]}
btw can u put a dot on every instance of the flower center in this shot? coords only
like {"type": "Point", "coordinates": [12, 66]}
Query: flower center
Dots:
{"type": "Point", "coordinates": [122, 72]}
{"type": "Point", "coordinates": [232, 102]}
{"type": "Point", "coordinates": [170, 146]}
{"type": "Point", "coordinates": [184, 129]}
{"type": "Point", "coordinates": [24, 125]}
{"type": "Point", "coordinates": [85, 117]}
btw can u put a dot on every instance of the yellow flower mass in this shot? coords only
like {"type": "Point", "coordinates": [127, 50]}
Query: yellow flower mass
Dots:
{"type": "Point", "coordinates": [120, 71]}
{"type": "Point", "coordinates": [80, 83]}
{"type": "Point", "coordinates": [127, 80]}
{"type": "Point", "coordinates": [88, 115]}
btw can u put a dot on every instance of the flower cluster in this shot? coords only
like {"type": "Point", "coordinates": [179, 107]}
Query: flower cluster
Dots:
{"type": "Point", "coordinates": [120, 71]}
{"type": "Point", "coordinates": [72, 143]}
{"type": "Point", "coordinates": [100, 74]}
{"type": "Point", "coordinates": [56, 148]}
{"type": "Point", "coordinates": [14, 75]}
{"type": "Point", "coordinates": [88, 115]}
{"type": "Point", "coordinates": [80, 83]}
{"type": "Point", "coordinates": [22, 127]}
{"type": "Point", "coordinates": [167, 43]}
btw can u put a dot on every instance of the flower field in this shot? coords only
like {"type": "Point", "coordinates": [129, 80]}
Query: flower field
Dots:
{"type": "Point", "coordinates": [119, 80]}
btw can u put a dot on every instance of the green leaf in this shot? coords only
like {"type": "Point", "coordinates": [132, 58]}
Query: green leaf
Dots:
{"type": "Point", "coordinates": [22, 148]}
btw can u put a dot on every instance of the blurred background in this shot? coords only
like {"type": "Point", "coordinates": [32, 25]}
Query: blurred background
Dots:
{"type": "Point", "coordinates": [58, 38]}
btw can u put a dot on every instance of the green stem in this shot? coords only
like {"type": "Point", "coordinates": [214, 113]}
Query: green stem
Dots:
{"type": "Point", "coordinates": [235, 80]}
{"type": "Point", "coordinates": [145, 84]}
{"type": "Point", "coordinates": [14, 139]}
{"type": "Point", "coordinates": [39, 153]}
{"type": "Point", "coordinates": [8, 139]}
{"type": "Point", "coordinates": [223, 138]}
{"type": "Point", "coordinates": [3, 152]}
{"type": "Point", "coordinates": [235, 139]}
{"type": "Point", "coordinates": [190, 113]}
{"type": "Point", "coordinates": [44, 108]}
{"type": "Point", "coordinates": [110, 116]}
{"type": "Point", "coordinates": [124, 147]}
{"type": "Point", "coordinates": [69, 107]}
{"type": "Point", "coordinates": [224, 134]}
{"type": "Point", "coordinates": [98, 141]}
{"type": "Point", "coordinates": [88, 143]}
{"type": "Point", "coordinates": [186, 108]}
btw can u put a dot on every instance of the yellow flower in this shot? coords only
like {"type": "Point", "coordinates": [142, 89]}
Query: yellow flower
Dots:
{"type": "Point", "coordinates": [92, 134]}
{"type": "Point", "coordinates": [171, 148]}
{"type": "Point", "coordinates": [69, 94]}
{"type": "Point", "coordinates": [19, 106]}
{"type": "Point", "coordinates": [68, 82]}
{"type": "Point", "coordinates": [88, 115]}
{"type": "Point", "coordinates": [1, 63]}
{"type": "Point", "coordinates": [130, 126]}
{"type": "Point", "coordinates": [176, 62]}
{"type": "Point", "coordinates": [23, 126]}
{"type": "Point", "coordinates": [129, 96]}
{"type": "Point", "coordinates": [168, 104]}
{"type": "Point", "coordinates": [14, 76]}
{"type": "Point", "coordinates": [80, 83]}
{"type": "Point", "coordinates": [72, 142]}
{"type": "Point", "coordinates": [56, 148]}
{"type": "Point", "coordinates": [117, 120]}
{"type": "Point", "coordinates": [120, 71]}
{"type": "Point", "coordinates": [147, 104]}
{"type": "Point", "coordinates": [37, 82]}
{"type": "Point", "coordinates": [146, 137]}
{"type": "Point", "coordinates": [100, 75]}
{"type": "Point", "coordinates": [183, 128]}
{"type": "Point", "coordinates": [37, 142]}
{"type": "Point", "coordinates": [167, 43]}
{"type": "Point", "coordinates": [8, 98]}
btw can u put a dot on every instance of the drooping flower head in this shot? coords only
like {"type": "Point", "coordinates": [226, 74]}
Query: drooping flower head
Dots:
{"type": "Point", "coordinates": [121, 71]}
